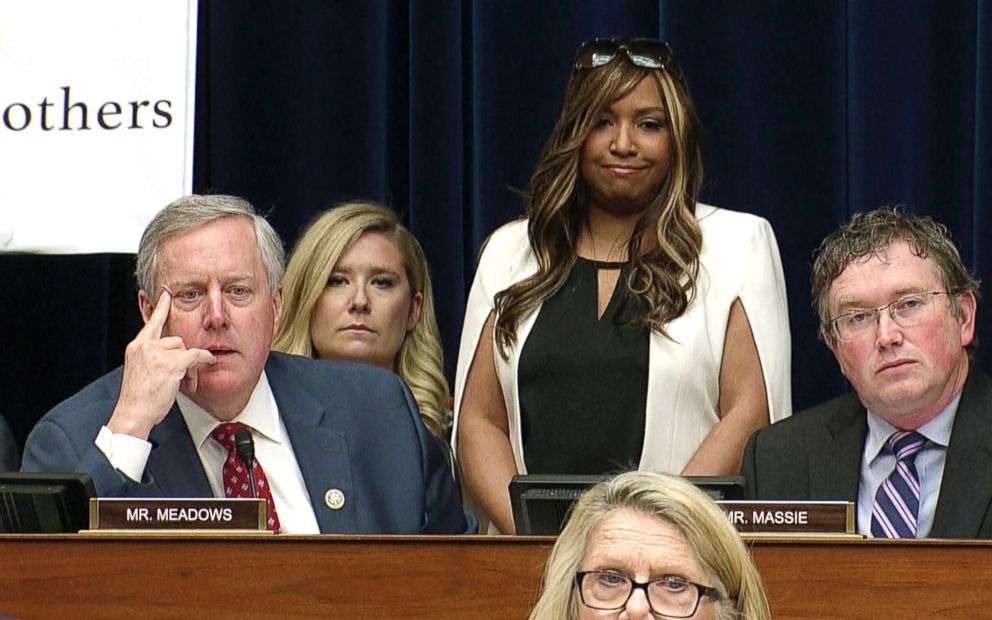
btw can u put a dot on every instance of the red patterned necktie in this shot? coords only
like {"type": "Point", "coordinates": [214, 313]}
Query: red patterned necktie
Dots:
{"type": "Point", "coordinates": [236, 481]}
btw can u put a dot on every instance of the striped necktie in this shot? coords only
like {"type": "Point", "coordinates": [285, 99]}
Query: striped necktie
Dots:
{"type": "Point", "coordinates": [897, 502]}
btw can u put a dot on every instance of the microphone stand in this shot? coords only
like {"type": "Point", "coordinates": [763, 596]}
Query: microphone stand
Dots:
{"type": "Point", "coordinates": [244, 444]}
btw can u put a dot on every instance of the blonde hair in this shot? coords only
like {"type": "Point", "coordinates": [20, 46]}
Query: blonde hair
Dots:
{"type": "Point", "coordinates": [662, 277]}
{"type": "Point", "coordinates": [420, 361]}
{"type": "Point", "coordinates": [714, 541]}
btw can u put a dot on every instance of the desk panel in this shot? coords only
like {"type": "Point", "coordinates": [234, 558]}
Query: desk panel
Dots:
{"type": "Point", "coordinates": [444, 577]}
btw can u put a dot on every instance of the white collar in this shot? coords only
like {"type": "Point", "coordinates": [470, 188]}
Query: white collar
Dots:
{"type": "Point", "coordinates": [937, 429]}
{"type": "Point", "coordinates": [260, 414]}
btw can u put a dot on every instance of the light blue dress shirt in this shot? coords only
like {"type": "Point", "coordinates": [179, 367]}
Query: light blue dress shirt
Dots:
{"type": "Point", "coordinates": [877, 464]}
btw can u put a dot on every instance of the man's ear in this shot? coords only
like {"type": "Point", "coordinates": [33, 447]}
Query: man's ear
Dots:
{"type": "Point", "coordinates": [832, 344]}
{"type": "Point", "coordinates": [277, 307]}
{"type": "Point", "coordinates": [827, 339]}
{"type": "Point", "coordinates": [146, 305]}
{"type": "Point", "coordinates": [966, 318]}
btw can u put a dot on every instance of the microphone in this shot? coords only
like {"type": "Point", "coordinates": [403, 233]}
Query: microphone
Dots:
{"type": "Point", "coordinates": [244, 445]}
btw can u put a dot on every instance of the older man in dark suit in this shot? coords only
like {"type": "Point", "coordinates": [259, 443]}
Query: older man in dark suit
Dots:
{"type": "Point", "coordinates": [913, 446]}
{"type": "Point", "coordinates": [342, 445]}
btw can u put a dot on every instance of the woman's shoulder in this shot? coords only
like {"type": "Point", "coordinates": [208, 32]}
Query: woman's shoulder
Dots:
{"type": "Point", "coordinates": [505, 258]}
{"type": "Point", "coordinates": [717, 218]}
{"type": "Point", "coordinates": [723, 227]}
{"type": "Point", "coordinates": [507, 247]}
{"type": "Point", "coordinates": [508, 237]}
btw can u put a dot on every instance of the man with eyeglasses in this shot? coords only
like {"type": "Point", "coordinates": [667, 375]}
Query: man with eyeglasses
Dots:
{"type": "Point", "coordinates": [913, 446]}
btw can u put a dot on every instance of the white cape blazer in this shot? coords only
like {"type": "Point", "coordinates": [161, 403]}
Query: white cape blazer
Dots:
{"type": "Point", "coordinates": [739, 259]}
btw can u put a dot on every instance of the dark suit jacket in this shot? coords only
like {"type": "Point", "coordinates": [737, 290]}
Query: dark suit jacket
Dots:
{"type": "Point", "coordinates": [10, 455]}
{"type": "Point", "coordinates": [353, 427]}
{"type": "Point", "coordinates": [816, 454]}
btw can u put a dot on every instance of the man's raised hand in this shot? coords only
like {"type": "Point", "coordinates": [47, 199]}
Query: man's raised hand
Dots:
{"type": "Point", "coordinates": [154, 367]}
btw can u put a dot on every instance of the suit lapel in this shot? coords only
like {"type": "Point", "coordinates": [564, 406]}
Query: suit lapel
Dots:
{"type": "Point", "coordinates": [835, 457]}
{"type": "Point", "coordinates": [966, 487]}
{"type": "Point", "coordinates": [321, 451]}
{"type": "Point", "coordinates": [174, 463]}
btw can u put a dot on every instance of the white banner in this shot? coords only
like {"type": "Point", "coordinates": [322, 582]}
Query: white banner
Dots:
{"type": "Point", "coordinates": [96, 120]}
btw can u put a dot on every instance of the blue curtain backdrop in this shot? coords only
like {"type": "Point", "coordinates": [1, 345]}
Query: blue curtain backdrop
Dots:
{"type": "Point", "coordinates": [812, 110]}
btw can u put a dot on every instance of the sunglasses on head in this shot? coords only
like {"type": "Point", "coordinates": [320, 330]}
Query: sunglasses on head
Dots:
{"type": "Point", "coordinates": [647, 53]}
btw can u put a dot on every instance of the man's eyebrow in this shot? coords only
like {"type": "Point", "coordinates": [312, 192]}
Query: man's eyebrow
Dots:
{"type": "Point", "coordinates": [196, 281]}
{"type": "Point", "coordinates": [848, 303]}
{"type": "Point", "coordinates": [176, 285]}
{"type": "Point", "coordinates": [240, 278]}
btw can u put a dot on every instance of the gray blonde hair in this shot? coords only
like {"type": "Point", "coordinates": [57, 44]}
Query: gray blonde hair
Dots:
{"type": "Point", "coordinates": [869, 234]}
{"type": "Point", "coordinates": [420, 361]}
{"type": "Point", "coordinates": [194, 211]}
{"type": "Point", "coordinates": [714, 542]}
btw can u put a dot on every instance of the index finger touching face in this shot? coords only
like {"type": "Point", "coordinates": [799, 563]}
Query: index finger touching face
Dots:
{"type": "Point", "coordinates": [153, 327]}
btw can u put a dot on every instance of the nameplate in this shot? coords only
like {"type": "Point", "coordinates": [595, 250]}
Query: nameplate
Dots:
{"type": "Point", "coordinates": [177, 514]}
{"type": "Point", "coordinates": [830, 517]}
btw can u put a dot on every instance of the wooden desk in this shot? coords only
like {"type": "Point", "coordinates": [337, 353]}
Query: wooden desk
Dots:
{"type": "Point", "coordinates": [478, 577]}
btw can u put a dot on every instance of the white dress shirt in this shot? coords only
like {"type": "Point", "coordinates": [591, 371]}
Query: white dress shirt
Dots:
{"type": "Point", "coordinates": [273, 450]}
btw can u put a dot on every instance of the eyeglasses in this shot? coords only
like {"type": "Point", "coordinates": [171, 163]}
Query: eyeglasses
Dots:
{"type": "Point", "coordinates": [906, 311]}
{"type": "Point", "coordinates": [647, 53]}
{"type": "Point", "coordinates": [670, 596]}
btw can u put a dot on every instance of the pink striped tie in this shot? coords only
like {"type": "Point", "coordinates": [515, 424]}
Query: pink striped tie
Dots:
{"type": "Point", "coordinates": [897, 502]}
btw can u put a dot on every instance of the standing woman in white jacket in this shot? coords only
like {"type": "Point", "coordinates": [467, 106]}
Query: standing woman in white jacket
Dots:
{"type": "Point", "coordinates": [622, 324]}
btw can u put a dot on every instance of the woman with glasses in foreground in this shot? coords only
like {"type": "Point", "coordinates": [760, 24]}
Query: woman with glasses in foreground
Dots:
{"type": "Point", "coordinates": [622, 324]}
{"type": "Point", "coordinates": [646, 545]}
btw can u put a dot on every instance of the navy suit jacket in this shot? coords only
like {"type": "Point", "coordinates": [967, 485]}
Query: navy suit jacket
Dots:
{"type": "Point", "coordinates": [816, 455]}
{"type": "Point", "coordinates": [355, 428]}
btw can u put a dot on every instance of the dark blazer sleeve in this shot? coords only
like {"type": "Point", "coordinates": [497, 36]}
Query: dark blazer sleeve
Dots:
{"type": "Point", "coordinates": [778, 461]}
{"type": "Point", "coordinates": [749, 467]}
{"type": "Point", "coordinates": [443, 513]}
{"type": "Point", "coordinates": [63, 440]}
{"type": "Point", "coordinates": [813, 455]}
{"type": "Point", "coordinates": [964, 506]}
{"type": "Point", "coordinates": [775, 464]}
{"type": "Point", "coordinates": [51, 447]}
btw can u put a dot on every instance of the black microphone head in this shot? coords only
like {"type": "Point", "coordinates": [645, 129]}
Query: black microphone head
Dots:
{"type": "Point", "coordinates": [244, 445]}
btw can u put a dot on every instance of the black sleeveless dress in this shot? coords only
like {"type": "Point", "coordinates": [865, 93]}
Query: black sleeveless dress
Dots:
{"type": "Point", "coordinates": [583, 380]}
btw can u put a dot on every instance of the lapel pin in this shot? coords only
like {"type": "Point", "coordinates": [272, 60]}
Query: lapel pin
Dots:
{"type": "Point", "coordinates": [334, 499]}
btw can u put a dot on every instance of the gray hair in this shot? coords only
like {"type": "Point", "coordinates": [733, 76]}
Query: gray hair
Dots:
{"type": "Point", "coordinates": [194, 211]}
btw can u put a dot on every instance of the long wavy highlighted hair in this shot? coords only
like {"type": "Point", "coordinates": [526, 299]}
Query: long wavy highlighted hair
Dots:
{"type": "Point", "coordinates": [420, 361]}
{"type": "Point", "coordinates": [666, 242]}
{"type": "Point", "coordinates": [707, 531]}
